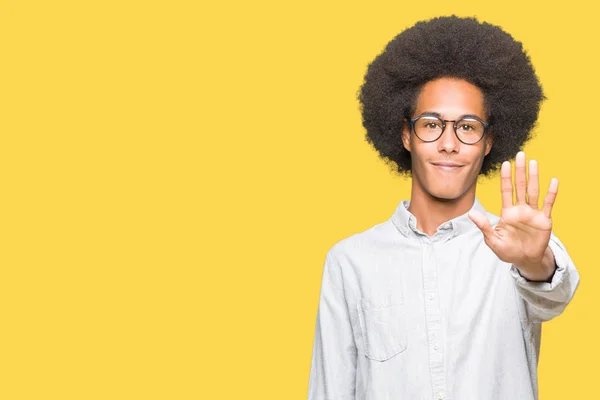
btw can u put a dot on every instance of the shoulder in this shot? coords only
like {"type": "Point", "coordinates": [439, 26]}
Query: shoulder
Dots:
{"type": "Point", "coordinates": [367, 240]}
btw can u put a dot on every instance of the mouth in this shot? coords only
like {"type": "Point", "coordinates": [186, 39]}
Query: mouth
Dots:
{"type": "Point", "coordinates": [447, 166]}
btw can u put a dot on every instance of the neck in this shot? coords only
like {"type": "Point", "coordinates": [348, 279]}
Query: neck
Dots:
{"type": "Point", "coordinates": [431, 212]}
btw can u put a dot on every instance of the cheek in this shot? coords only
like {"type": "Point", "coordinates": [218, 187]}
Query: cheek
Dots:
{"type": "Point", "coordinates": [477, 162]}
{"type": "Point", "coordinates": [482, 156]}
{"type": "Point", "coordinates": [422, 152]}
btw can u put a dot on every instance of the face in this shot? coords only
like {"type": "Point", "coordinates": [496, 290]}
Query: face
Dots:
{"type": "Point", "coordinates": [451, 99]}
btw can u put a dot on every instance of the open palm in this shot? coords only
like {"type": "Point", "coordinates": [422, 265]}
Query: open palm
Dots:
{"type": "Point", "coordinates": [522, 234]}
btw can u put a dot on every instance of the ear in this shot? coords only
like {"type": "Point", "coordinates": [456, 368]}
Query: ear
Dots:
{"type": "Point", "coordinates": [489, 142]}
{"type": "Point", "coordinates": [406, 135]}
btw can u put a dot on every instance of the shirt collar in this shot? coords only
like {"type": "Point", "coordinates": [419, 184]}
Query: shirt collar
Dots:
{"type": "Point", "coordinates": [407, 222]}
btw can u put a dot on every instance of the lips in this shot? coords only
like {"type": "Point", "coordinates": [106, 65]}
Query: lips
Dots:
{"type": "Point", "coordinates": [447, 164]}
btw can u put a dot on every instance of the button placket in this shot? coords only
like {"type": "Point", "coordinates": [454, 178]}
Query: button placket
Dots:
{"type": "Point", "coordinates": [433, 317]}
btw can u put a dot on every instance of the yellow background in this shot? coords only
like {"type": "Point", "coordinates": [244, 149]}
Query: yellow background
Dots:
{"type": "Point", "coordinates": [173, 173]}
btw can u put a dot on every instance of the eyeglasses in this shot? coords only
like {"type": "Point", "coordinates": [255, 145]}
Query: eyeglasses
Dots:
{"type": "Point", "coordinates": [429, 128]}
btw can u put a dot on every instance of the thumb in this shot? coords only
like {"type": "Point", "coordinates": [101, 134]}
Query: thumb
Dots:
{"type": "Point", "coordinates": [483, 224]}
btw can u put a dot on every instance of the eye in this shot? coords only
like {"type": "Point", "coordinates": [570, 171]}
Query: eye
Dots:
{"type": "Point", "coordinates": [430, 124]}
{"type": "Point", "coordinates": [469, 125]}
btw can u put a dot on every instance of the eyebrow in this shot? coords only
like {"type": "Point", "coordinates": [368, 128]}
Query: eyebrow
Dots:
{"type": "Point", "coordinates": [436, 114]}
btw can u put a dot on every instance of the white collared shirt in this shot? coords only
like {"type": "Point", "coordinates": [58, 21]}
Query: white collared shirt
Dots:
{"type": "Point", "coordinates": [406, 316]}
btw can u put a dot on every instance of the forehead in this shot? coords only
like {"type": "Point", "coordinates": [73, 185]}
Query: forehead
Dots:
{"type": "Point", "coordinates": [451, 98]}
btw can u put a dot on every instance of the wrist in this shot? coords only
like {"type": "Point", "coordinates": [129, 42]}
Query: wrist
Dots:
{"type": "Point", "coordinates": [542, 271]}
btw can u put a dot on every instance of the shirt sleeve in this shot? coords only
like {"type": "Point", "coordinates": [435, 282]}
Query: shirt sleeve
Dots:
{"type": "Point", "coordinates": [333, 365]}
{"type": "Point", "coordinates": [546, 300]}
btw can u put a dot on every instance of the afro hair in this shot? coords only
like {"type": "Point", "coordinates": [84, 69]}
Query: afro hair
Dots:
{"type": "Point", "coordinates": [463, 48]}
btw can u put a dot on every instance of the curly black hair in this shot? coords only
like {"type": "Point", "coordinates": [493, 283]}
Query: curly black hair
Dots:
{"type": "Point", "coordinates": [480, 53]}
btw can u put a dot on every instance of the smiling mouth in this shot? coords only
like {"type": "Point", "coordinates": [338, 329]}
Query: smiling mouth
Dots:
{"type": "Point", "coordinates": [447, 167]}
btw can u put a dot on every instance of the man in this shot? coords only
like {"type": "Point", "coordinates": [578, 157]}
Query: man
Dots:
{"type": "Point", "coordinates": [445, 300]}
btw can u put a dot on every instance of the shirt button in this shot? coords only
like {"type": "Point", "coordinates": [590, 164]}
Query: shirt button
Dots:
{"type": "Point", "coordinates": [440, 396]}
{"type": "Point", "coordinates": [435, 347]}
{"type": "Point", "coordinates": [431, 296]}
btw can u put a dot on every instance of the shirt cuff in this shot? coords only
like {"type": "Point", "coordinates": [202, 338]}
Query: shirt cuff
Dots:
{"type": "Point", "coordinates": [561, 262]}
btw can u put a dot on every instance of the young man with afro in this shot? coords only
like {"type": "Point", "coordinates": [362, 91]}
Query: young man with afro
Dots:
{"type": "Point", "coordinates": [445, 300]}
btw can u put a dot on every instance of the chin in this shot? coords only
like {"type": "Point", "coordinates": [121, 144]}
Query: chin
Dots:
{"type": "Point", "coordinates": [446, 195]}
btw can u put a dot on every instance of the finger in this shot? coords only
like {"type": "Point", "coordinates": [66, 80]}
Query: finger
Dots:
{"type": "Point", "coordinates": [533, 186]}
{"type": "Point", "coordinates": [484, 225]}
{"type": "Point", "coordinates": [506, 185]}
{"type": "Point", "coordinates": [520, 177]}
{"type": "Point", "coordinates": [550, 197]}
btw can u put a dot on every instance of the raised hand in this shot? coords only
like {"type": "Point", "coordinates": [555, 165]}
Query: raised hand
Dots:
{"type": "Point", "coordinates": [522, 234]}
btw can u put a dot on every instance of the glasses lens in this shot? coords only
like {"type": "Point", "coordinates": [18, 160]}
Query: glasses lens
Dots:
{"type": "Point", "coordinates": [469, 130]}
{"type": "Point", "coordinates": [428, 128]}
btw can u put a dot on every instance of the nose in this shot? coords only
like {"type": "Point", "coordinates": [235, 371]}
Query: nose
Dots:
{"type": "Point", "coordinates": [448, 142]}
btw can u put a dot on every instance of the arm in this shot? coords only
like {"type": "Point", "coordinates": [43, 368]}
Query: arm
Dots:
{"type": "Point", "coordinates": [547, 299]}
{"type": "Point", "coordinates": [333, 365]}
{"type": "Point", "coordinates": [523, 237]}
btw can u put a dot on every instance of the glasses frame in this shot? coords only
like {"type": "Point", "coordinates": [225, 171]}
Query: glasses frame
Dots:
{"type": "Point", "coordinates": [414, 120]}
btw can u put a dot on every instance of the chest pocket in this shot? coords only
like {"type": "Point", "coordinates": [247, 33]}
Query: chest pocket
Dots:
{"type": "Point", "coordinates": [383, 325]}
